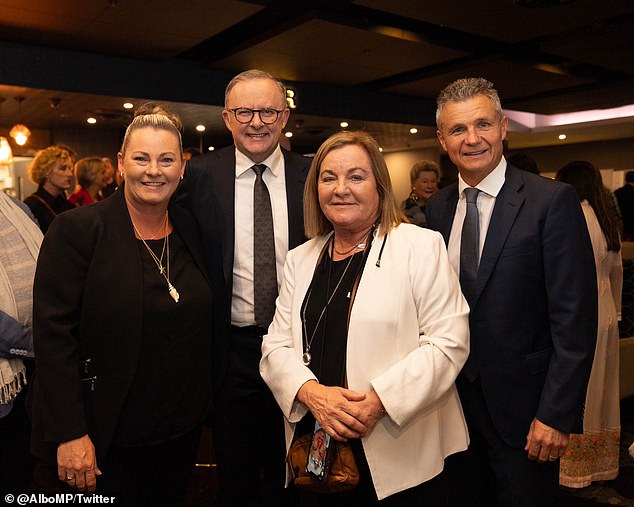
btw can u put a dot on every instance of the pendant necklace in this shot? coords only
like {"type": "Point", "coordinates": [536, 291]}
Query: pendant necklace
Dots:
{"type": "Point", "coordinates": [164, 271]}
{"type": "Point", "coordinates": [307, 356]}
{"type": "Point", "coordinates": [360, 246]}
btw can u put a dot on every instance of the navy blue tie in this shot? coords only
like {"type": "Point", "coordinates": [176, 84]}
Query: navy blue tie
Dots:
{"type": "Point", "coordinates": [469, 261]}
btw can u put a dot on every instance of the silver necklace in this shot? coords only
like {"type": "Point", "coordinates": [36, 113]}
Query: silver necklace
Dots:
{"type": "Point", "coordinates": [164, 271]}
{"type": "Point", "coordinates": [307, 356]}
{"type": "Point", "coordinates": [360, 245]}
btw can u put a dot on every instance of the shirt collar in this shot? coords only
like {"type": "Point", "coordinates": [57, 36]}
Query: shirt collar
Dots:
{"type": "Point", "coordinates": [273, 162]}
{"type": "Point", "coordinates": [491, 184]}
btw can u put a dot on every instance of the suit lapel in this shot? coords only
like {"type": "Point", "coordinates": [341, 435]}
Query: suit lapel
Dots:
{"type": "Point", "coordinates": [226, 180]}
{"type": "Point", "coordinates": [448, 210]}
{"type": "Point", "coordinates": [507, 205]}
{"type": "Point", "coordinates": [294, 200]}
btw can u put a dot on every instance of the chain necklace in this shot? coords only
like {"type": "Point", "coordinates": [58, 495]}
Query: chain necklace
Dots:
{"type": "Point", "coordinates": [360, 245]}
{"type": "Point", "coordinates": [164, 271]}
{"type": "Point", "coordinates": [307, 356]}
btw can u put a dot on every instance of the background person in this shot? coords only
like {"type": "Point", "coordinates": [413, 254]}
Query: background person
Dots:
{"type": "Point", "coordinates": [521, 247]}
{"type": "Point", "coordinates": [423, 176]}
{"type": "Point", "coordinates": [221, 187]}
{"type": "Point", "coordinates": [367, 340]}
{"type": "Point", "coordinates": [594, 455]}
{"type": "Point", "coordinates": [109, 179]}
{"type": "Point", "coordinates": [52, 170]}
{"type": "Point", "coordinates": [118, 402]}
{"type": "Point", "coordinates": [90, 173]}
{"type": "Point", "coordinates": [20, 239]}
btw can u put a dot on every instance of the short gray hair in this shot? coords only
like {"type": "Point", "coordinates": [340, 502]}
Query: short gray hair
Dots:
{"type": "Point", "coordinates": [465, 89]}
{"type": "Point", "coordinates": [248, 75]}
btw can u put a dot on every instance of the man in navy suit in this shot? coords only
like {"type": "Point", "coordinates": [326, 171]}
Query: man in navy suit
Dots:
{"type": "Point", "coordinates": [248, 425]}
{"type": "Point", "coordinates": [533, 300]}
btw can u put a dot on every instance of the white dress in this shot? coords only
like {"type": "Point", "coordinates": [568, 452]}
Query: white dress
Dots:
{"type": "Point", "coordinates": [594, 456]}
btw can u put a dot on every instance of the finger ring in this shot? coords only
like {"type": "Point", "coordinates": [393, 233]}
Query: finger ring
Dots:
{"type": "Point", "coordinates": [552, 458]}
{"type": "Point", "coordinates": [69, 478]}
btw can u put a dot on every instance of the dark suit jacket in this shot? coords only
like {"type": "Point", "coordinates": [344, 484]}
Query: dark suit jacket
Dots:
{"type": "Point", "coordinates": [209, 192]}
{"type": "Point", "coordinates": [89, 269]}
{"type": "Point", "coordinates": [533, 322]}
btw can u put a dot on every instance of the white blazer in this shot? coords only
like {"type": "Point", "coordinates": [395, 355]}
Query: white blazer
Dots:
{"type": "Point", "coordinates": [408, 338]}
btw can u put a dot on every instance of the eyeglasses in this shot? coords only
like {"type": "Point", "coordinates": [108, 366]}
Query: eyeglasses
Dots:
{"type": "Point", "coordinates": [245, 115]}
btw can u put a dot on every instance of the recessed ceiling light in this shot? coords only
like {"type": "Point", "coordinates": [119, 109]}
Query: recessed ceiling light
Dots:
{"type": "Point", "coordinates": [211, 148]}
{"type": "Point", "coordinates": [413, 130]}
{"type": "Point", "coordinates": [288, 134]}
{"type": "Point", "coordinates": [128, 105]}
{"type": "Point", "coordinates": [91, 120]}
{"type": "Point", "coordinates": [343, 124]}
{"type": "Point", "coordinates": [200, 128]}
{"type": "Point", "coordinates": [562, 136]}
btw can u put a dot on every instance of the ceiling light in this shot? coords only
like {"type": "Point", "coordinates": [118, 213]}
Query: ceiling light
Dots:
{"type": "Point", "coordinates": [20, 133]}
{"type": "Point", "coordinates": [211, 148]}
{"type": "Point", "coordinates": [413, 130]}
{"type": "Point", "coordinates": [343, 124]}
{"type": "Point", "coordinates": [380, 149]}
{"type": "Point", "coordinates": [91, 120]}
{"type": "Point", "coordinates": [200, 128]}
{"type": "Point", "coordinates": [6, 155]}
{"type": "Point", "coordinates": [128, 105]}
{"type": "Point", "coordinates": [562, 137]}
{"type": "Point", "coordinates": [288, 134]}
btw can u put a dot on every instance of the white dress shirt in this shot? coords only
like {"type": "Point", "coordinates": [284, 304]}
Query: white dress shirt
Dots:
{"type": "Point", "coordinates": [242, 309]}
{"type": "Point", "coordinates": [489, 189]}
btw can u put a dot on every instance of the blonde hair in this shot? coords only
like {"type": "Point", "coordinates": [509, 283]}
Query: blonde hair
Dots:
{"type": "Point", "coordinates": [87, 169]}
{"type": "Point", "coordinates": [44, 162]}
{"type": "Point", "coordinates": [390, 215]}
{"type": "Point", "coordinates": [156, 116]}
{"type": "Point", "coordinates": [423, 166]}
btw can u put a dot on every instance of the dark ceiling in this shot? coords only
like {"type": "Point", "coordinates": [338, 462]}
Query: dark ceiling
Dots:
{"type": "Point", "coordinates": [375, 63]}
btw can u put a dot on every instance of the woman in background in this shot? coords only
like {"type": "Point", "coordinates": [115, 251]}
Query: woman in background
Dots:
{"type": "Point", "coordinates": [90, 173]}
{"type": "Point", "coordinates": [424, 177]}
{"type": "Point", "coordinates": [594, 456]}
{"type": "Point", "coordinates": [52, 170]}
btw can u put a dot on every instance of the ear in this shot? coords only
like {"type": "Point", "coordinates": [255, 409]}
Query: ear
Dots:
{"type": "Point", "coordinates": [120, 162]}
{"type": "Point", "coordinates": [441, 139]}
{"type": "Point", "coordinates": [504, 126]}
{"type": "Point", "coordinates": [285, 115]}
{"type": "Point", "coordinates": [227, 119]}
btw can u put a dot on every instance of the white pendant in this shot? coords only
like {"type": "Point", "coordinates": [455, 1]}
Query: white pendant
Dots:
{"type": "Point", "coordinates": [173, 292]}
{"type": "Point", "coordinates": [306, 358]}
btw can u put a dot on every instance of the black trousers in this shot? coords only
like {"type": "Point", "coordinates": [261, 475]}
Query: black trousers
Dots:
{"type": "Point", "coordinates": [150, 475]}
{"type": "Point", "coordinates": [248, 430]}
{"type": "Point", "coordinates": [491, 473]}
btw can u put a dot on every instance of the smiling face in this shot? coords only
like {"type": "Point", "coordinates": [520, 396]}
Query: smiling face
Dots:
{"type": "Point", "coordinates": [472, 134]}
{"type": "Point", "coordinates": [347, 190]}
{"type": "Point", "coordinates": [426, 184]}
{"type": "Point", "coordinates": [256, 139]}
{"type": "Point", "coordinates": [152, 165]}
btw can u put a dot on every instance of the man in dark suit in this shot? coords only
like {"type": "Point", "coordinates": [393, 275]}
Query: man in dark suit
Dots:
{"type": "Point", "coordinates": [533, 299]}
{"type": "Point", "coordinates": [248, 425]}
{"type": "Point", "coordinates": [625, 198]}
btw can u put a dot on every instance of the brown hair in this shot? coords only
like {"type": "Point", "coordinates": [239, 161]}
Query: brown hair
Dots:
{"type": "Point", "coordinates": [87, 169]}
{"type": "Point", "coordinates": [390, 215]}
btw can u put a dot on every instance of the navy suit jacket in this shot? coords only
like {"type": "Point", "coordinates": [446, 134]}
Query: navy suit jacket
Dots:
{"type": "Point", "coordinates": [533, 320]}
{"type": "Point", "coordinates": [208, 190]}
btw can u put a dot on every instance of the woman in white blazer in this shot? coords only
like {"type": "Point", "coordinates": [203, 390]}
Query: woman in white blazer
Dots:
{"type": "Point", "coordinates": [370, 331]}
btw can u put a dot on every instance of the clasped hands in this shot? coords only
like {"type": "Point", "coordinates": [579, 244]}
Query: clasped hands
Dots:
{"type": "Point", "coordinates": [544, 443]}
{"type": "Point", "coordinates": [341, 412]}
{"type": "Point", "coordinates": [77, 464]}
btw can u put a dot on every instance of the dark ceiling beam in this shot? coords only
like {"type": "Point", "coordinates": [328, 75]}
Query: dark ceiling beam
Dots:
{"type": "Point", "coordinates": [181, 80]}
{"type": "Point", "coordinates": [276, 18]}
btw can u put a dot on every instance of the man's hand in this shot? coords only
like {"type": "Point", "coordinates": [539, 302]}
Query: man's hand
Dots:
{"type": "Point", "coordinates": [544, 443]}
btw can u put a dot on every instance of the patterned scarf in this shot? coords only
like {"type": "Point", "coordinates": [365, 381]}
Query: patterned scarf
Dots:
{"type": "Point", "coordinates": [19, 237]}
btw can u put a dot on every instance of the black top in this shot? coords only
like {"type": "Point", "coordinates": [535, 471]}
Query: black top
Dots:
{"type": "Point", "coordinates": [45, 207]}
{"type": "Point", "coordinates": [329, 344]}
{"type": "Point", "coordinates": [171, 391]}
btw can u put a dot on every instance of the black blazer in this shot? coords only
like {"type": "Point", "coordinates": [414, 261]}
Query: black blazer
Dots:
{"type": "Point", "coordinates": [533, 322]}
{"type": "Point", "coordinates": [208, 190]}
{"type": "Point", "coordinates": [90, 261]}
